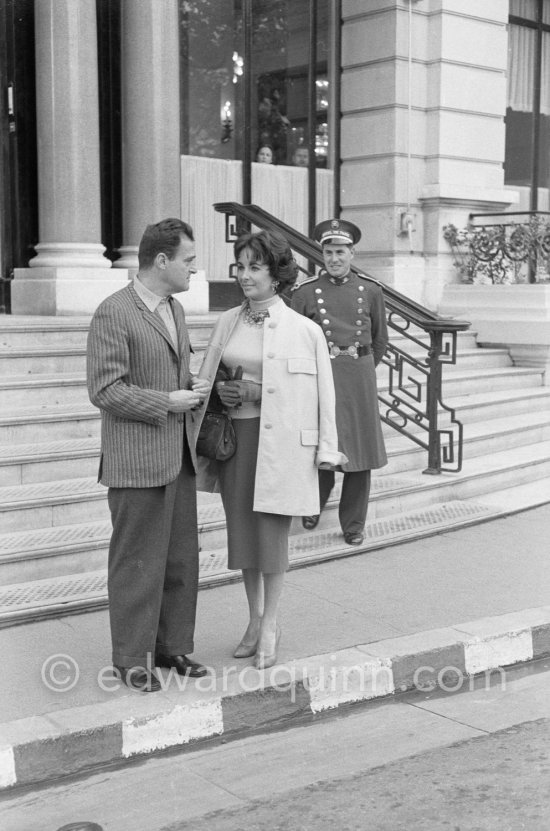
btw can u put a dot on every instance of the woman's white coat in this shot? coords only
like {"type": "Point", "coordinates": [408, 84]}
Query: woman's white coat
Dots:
{"type": "Point", "coordinates": [297, 421]}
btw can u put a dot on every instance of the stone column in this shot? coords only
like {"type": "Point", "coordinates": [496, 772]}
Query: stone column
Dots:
{"type": "Point", "coordinates": [69, 274]}
{"type": "Point", "coordinates": [466, 61]}
{"type": "Point", "coordinates": [151, 176]}
{"type": "Point", "coordinates": [423, 105]}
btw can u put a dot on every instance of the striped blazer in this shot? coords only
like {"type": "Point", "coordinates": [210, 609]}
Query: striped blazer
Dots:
{"type": "Point", "coordinates": [132, 365]}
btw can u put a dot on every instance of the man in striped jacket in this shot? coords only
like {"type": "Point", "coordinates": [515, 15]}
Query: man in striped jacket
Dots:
{"type": "Point", "coordinates": [139, 377]}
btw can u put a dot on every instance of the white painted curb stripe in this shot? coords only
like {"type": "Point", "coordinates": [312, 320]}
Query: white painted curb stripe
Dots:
{"type": "Point", "coordinates": [329, 680]}
{"type": "Point", "coordinates": [8, 776]}
{"type": "Point", "coordinates": [328, 688]}
{"type": "Point", "coordinates": [498, 651]}
{"type": "Point", "coordinates": [179, 726]}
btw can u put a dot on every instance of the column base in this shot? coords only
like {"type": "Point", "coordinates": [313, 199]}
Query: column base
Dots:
{"type": "Point", "coordinates": [128, 257]}
{"type": "Point", "coordinates": [63, 291]}
{"type": "Point", "coordinates": [69, 255]}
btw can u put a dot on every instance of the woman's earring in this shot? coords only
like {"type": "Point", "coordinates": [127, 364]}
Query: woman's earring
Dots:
{"type": "Point", "coordinates": [274, 285]}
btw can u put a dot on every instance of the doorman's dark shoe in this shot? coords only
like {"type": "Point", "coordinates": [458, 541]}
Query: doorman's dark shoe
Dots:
{"type": "Point", "coordinates": [354, 537]}
{"type": "Point", "coordinates": [182, 664]}
{"type": "Point", "coordinates": [138, 678]}
{"type": "Point", "coordinates": [310, 522]}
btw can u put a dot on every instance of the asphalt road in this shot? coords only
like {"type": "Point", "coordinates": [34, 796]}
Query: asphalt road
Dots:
{"type": "Point", "coordinates": [476, 760]}
{"type": "Point", "coordinates": [500, 781]}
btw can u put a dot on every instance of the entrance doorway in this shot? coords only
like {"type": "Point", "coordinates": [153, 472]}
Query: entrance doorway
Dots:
{"type": "Point", "coordinates": [18, 168]}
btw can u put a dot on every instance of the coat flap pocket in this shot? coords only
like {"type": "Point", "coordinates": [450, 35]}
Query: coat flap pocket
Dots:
{"type": "Point", "coordinates": [310, 437]}
{"type": "Point", "coordinates": [305, 365]}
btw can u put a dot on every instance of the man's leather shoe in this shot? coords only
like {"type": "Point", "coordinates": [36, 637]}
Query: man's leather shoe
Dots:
{"type": "Point", "coordinates": [138, 678]}
{"type": "Point", "coordinates": [354, 537]}
{"type": "Point", "coordinates": [182, 664]}
{"type": "Point", "coordinates": [310, 522]}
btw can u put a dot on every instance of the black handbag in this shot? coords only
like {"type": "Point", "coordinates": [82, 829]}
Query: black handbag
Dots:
{"type": "Point", "coordinates": [217, 439]}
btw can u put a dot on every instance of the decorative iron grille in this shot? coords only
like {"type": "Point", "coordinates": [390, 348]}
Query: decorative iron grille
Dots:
{"type": "Point", "coordinates": [500, 249]}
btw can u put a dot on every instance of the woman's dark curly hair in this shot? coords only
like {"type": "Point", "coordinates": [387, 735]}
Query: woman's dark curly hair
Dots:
{"type": "Point", "coordinates": [271, 249]}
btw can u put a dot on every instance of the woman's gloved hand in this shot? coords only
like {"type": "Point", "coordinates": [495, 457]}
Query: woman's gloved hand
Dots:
{"type": "Point", "coordinates": [250, 391]}
{"type": "Point", "coordinates": [235, 393]}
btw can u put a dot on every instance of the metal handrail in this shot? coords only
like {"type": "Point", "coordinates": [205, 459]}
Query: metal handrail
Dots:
{"type": "Point", "coordinates": [412, 404]}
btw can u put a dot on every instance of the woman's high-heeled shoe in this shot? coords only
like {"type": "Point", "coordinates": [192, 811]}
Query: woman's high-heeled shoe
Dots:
{"type": "Point", "coordinates": [263, 661]}
{"type": "Point", "coordinates": [245, 650]}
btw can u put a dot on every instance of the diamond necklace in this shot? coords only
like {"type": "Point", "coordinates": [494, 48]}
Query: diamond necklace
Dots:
{"type": "Point", "coordinates": [254, 318]}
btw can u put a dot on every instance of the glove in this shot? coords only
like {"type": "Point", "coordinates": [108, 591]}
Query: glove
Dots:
{"type": "Point", "coordinates": [235, 393]}
{"type": "Point", "coordinates": [250, 391]}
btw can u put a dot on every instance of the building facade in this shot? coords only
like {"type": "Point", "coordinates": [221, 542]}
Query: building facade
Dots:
{"type": "Point", "coordinates": [413, 114]}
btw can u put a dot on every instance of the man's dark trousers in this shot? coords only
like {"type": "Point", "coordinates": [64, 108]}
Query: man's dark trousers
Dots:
{"type": "Point", "coordinates": [153, 569]}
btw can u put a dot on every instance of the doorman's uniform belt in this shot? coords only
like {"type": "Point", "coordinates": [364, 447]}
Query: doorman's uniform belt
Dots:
{"type": "Point", "coordinates": [351, 351]}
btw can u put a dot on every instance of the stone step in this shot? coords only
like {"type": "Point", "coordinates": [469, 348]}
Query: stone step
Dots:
{"type": "Point", "coordinates": [66, 525]}
{"type": "Point", "coordinates": [47, 359]}
{"type": "Point", "coordinates": [51, 345]}
{"type": "Point", "coordinates": [49, 423]}
{"type": "Point", "coordinates": [18, 392]}
{"type": "Point", "coordinates": [460, 381]}
{"type": "Point", "coordinates": [455, 384]}
{"type": "Point", "coordinates": [42, 389]}
{"type": "Point", "coordinates": [47, 504]}
{"type": "Point", "coordinates": [465, 340]}
{"type": "Point", "coordinates": [74, 593]}
{"type": "Point", "coordinates": [480, 357]}
{"type": "Point", "coordinates": [56, 360]}
{"type": "Point", "coordinates": [24, 464]}
{"type": "Point", "coordinates": [71, 500]}
{"type": "Point", "coordinates": [470, 355]}
{"type": "Point", "coordinates": [43, 461]}
{"type": "Point", "coordinates": [28, 331]}
{"type": "Point", "coordinates": [480, 439]}
{"type": "Point", "coordinates": [483, 406]}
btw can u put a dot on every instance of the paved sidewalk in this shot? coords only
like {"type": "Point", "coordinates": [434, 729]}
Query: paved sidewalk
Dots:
{"type": "Point", "coordinates": [430, 611]}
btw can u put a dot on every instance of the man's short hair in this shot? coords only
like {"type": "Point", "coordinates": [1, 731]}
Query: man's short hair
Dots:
{"type": "Point", "coordinates": [163, 237]}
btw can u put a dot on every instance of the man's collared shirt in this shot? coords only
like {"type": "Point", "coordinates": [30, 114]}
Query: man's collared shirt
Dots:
{"type": "Point", "coordinates": [160, 306]}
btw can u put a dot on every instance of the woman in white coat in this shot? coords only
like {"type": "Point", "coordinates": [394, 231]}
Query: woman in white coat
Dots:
{"type": "Point", "coordinates": [283, 412]}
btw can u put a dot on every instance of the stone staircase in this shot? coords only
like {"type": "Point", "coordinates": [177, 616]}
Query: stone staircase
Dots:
{"type": "Point", "coordinates": [54, 521]}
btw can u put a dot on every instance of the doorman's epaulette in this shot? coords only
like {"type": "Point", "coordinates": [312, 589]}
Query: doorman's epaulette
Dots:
{"type": "Point", "coordinates": [305, 282]}
{"type": "Point", "coordinates": [368, 277]}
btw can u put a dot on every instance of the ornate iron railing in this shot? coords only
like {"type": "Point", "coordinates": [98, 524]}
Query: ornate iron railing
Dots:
{"type": "Point", "coordinates": [412, 403]}
{"type": "Point", "coordinates": [502, 248]}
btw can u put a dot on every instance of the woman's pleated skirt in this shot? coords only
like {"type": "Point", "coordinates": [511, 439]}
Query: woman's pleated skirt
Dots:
{"type": "Point", "coordinates": [254, 539]}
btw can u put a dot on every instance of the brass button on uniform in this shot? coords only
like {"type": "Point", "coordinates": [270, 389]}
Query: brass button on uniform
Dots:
{"type": "Point", "coordinates": [270, 354]}
{"type": "Point", "coordinates": [268, 426]}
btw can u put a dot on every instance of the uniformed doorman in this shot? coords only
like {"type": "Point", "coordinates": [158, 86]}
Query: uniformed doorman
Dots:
{"type": "Point", "coordinates": [350, 309]}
